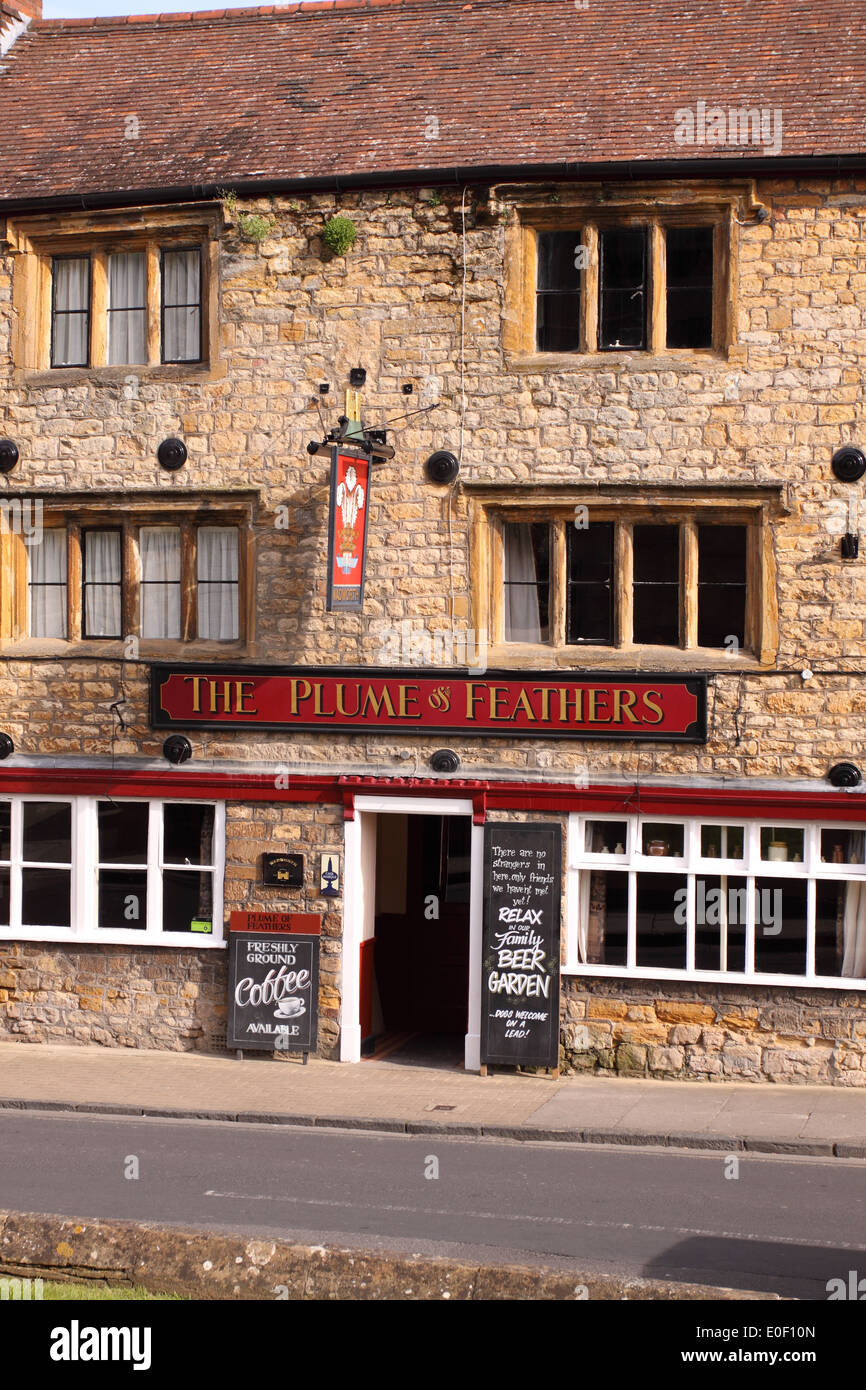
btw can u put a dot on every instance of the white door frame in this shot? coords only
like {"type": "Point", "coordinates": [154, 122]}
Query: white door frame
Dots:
{"type": "Point", "coordinates": [355, 892]}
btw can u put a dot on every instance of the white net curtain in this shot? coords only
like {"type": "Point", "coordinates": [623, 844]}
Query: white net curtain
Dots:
{"type": "Point", "coordinates": [160, 552]}
{"type": "Point", "coordinates": [127, 308]}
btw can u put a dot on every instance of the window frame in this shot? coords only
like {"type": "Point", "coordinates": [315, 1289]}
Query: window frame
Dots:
{"type": "Point", "coordinates": [130, 517]}
{"type": "Point", "coordinates": [692, 866]}
{"type": "Point", "coordinates": [181, 361]}
{"type": "Point", "coordinates": [529, 212]}
{"type": "Point", "coordinates": [84, 890]}
{"type": "Point", "coordinates": [40, 240]}
{"type": "Point", "coordinates": [71, 256]}
{"type": "Point", "coordinates": [720, 506]}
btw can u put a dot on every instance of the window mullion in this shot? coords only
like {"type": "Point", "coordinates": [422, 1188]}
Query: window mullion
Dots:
{"type": "Point", "coordinates": [811, 926]}
{"type": "Point", "coordinates": [16, 848]}
{"type": "Point", "coordinates": [154, 299]}
{"type": "Point", "coordinates": [624, 581]}
{"type": "Point", "coordinates": [129, 581]}
{"type": "Point", "coordinates": [689, 584]}
{"type": "Point", "coordinates": [84, 900]}
{"type": "Point", "coordinates": [154, 869]}
{"type": "Point", "coordinates": [98, 309]}
{"type": "Point", "coordinates": [558, 584]}
{"type": "Point", "coordinates": [589, 298]}
{"type": "Point", "coordinates": [73, 582]}
{"type": "Point", "coordinates": [631, 949]}
{"type": "Point", "coordinates": [219, 864]}
{"type": "Point", "coordinates": [657, 276]}
{"type": "Point", "coordinates": [189, 565]}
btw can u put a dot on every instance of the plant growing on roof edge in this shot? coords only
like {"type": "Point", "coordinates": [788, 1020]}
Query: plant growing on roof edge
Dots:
{"type": "Point", "coordinates": [339, 234]}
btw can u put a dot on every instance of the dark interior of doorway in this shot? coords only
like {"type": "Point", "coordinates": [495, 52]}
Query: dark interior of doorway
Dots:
{"type": "Point", "coordinates": [417, 967]}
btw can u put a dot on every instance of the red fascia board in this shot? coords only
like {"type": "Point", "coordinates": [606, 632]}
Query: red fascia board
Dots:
{"type": "Point", "coordinates": [710, 802]}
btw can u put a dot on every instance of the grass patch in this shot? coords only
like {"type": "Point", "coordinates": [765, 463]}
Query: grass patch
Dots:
{"type": "Point", "coordinates": [93, 1291]}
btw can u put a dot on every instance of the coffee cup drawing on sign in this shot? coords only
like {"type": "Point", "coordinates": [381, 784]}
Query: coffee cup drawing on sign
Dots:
{"type": "Point", "coordinates": [292, 1006]}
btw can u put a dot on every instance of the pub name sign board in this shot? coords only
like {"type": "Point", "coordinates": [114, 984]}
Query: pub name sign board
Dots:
{"type": "Point", "coordinates": [492, 704]}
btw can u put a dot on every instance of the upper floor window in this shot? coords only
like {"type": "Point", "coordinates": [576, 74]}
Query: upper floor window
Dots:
{"type": "Point", "coordinates": [611, 274]}
{"type": "Point", "coordinates": [156, 605]}
{"type": "Point", "coordinates": [597, 578]}
{"type": "Point", "coordinates": [126, 308]}
{"type": "Point", "coordinates": [121, 569]}
{"type": "Point", "coordinates": [117, 292]}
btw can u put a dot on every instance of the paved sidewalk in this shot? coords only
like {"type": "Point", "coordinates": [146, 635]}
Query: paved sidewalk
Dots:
{"type": "Point", "coordinates": [392, 1096]}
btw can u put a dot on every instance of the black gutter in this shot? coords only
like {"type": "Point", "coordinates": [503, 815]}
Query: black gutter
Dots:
{"type": "Point", "coordinates": [631, 171]}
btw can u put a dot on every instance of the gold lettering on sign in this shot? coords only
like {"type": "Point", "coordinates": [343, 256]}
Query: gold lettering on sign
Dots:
{"type": "Point", "coordinates": [523, 703]}
{"type": "Point", "coordinates": [651, 704]}
{"type": "Point", "coordinates": [377, 701]}
{"type": "Point", "coordinates": [593, 697]}
{"type": "Point", "coordinates": [301, 690]}
{"type": "Point", "coordinates": [408, 693]}
{"type": "Point", "coordinates": [623, 700]}
{"type": "Point", "coordinates": [196, 692]}
{"type": "Point", "coordinates": [341, 709]}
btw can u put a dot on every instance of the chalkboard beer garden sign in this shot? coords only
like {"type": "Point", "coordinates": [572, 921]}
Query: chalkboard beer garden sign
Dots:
{"type": "Point", "coordinates": [520, 953]}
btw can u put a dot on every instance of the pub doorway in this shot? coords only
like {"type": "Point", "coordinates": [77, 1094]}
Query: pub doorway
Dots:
{"type": "Point", "coordinates": [414, 995]}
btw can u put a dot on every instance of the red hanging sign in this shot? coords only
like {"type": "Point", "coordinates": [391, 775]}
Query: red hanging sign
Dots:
{"type": "Point", "coordinates": [347, 531]}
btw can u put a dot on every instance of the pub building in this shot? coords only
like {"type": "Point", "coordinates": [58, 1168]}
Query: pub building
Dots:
{"type": "Point", "coordinates": [430, 476]}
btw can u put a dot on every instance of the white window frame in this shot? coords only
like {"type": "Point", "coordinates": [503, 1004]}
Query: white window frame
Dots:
{"type": "Point", "coordinates": [84, 888]}
{"type": "Point", "coordinates": [692, 866]}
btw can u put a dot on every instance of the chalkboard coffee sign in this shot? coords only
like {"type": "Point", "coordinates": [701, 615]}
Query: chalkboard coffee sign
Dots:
{"type": "Point", "coordinates": [520, 953]}
{"type": "Point", "coordinates": [273, 992]}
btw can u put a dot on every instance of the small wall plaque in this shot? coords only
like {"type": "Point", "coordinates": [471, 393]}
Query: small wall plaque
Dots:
{"type": "Point", "coordinates": [329, 876]}
{"type": "Point", "coordinates": [283, 870]}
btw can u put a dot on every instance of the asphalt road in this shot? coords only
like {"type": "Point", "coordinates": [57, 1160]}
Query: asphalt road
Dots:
{"type": "Point", "coordinates": [786, 1225]}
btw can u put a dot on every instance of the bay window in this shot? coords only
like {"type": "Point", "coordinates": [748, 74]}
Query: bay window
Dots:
{"type": "Point", "coordinates": [685, 899]}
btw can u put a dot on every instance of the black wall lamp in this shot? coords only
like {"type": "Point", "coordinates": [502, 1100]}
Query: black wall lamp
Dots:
{"type": "Point", "coordinates": [849, 464]}
{"type": "Point", "coordinates": [442, 467]}
{"type": "Point", "coordinates": [8, 455]}
{"type": "Point", "coordinates": [7, 747]}
{"type": "Point", "coordinates": [172, 454]}
{"type": "Point", "coordinates": [445, 760]}
{"type": "Point", "coordinates": [177, 749]}
{"type": "Point", "coordinates": [845, 775]}
{"type": "Point", "coordinates": [357, 377]}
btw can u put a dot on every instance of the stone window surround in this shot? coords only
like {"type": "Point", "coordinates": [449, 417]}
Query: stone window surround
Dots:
{"type": "Point", "coordinates": [84, 881]}
{"type": "Point", "coordinates": [37, 240]}
{"type": "Point", "coordinates": [691, 866]}
{"type": "Point", "coordinates": [756, 507]}
{"type": "Point", "coordinates": [725, 206]}
{"type": "Point", "coordinates": [128, 512]}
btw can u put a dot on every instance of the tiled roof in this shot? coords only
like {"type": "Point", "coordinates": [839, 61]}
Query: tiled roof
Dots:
{"type": "Point", "coordinates": [351, 89]}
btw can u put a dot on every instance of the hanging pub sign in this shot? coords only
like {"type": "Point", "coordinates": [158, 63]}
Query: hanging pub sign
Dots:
{"type": "Point", "coordinates": [347, 531]}
{"type": "Point", "coordinates": [273, 992]}
{"type": "Point", "coordinates": [520, 946]}
{"type": "Point", "coordinates": [497, 704]}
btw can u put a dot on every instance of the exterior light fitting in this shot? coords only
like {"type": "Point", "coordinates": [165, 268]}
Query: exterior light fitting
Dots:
{"type": "Point", "coordinates": [445, 760]}
{"type": "Point", "coordinates": [845, 775]}
{"type": "Point", "coordinates": [357, 377]}
{"type": "Point", "coordinates": [7, 747]}
{"type": "Point", "coordinates": [177, 749]}
{"type": "Point", "coordinates": [172, 454]}
{"type": "Point", "coordinates": [442, 467]}
{"type": "Point", "coordinates": [8, 455]}
{"type": "Point", "coordinates": [849, 464]}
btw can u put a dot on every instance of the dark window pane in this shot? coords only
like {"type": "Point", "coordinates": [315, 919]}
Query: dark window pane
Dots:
{"type": "Point", "coordinates": [780, 926]}
{"type": "Point", "coordinates": [606, 938]}
{"type": "Point", "coordinates": [720, 920]}
{"type": "Point", "coordinates": [187, 898]}
{"type": "Point", "coordinates": [45, 897]}
{"type": "Point", "coordinates": [656, 585]}
{"type": "Point", "coordinates": [622, 288]}
{"type": "Point", "coordinates": [47, 832]}
{"type": "Point", "coordinates": [840, 929]}
{"type": "Point", "coordinates": [558, 298]}
{"type": "Point", "coordinates": [5, 829]}
{"type": "Point", "coordinates": [590, 583]}
{"type": "Point", "coordinates": [122, 832]}
{"type": "Point", "coordinates": [722, 841]}
{"type": "Point", "coordinates": [838, 847]}
{"type": "Point", "coordinates": [661, 921]}
{"type": "Point", "coordinates": [721, 585]}
{"type": "Point", "coordinates": [188, 834]}
{"type": "Point", "coordinates": [689, 287]}
{"type": "Point", "coordinates": [123, 898]}
{"type": "Point", "coordinates": [663, 839]}
{"type": "Point", "coordinates": [458, 832]}
{"type": "Point", "coordinates": [783, 844]}
{"type": "Point", "coordinates": [606, 836]}
{"type": "Point", "coordinates": [526, 548]}
{"type": "Point", "coordinates": [4, 897]}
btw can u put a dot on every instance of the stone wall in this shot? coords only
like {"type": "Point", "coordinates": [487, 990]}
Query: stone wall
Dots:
{"type": "Point", "coordinates": [713, 1032]}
